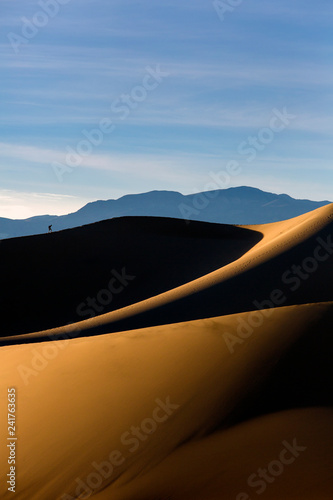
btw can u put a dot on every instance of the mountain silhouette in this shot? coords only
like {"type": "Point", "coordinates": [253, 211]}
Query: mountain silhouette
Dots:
{"type": "Point", "coordinates": [240, 205]}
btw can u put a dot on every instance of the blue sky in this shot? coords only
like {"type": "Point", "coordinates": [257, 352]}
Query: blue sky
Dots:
{"type": "Point", "coordinates": [101, 98]}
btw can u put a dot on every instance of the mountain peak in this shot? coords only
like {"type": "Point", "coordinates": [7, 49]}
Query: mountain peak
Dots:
{"type": "Point", "coordinates": [236, 205]}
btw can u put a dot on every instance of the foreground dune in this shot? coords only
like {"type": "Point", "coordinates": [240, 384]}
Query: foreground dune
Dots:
{"type": "Point", "coordinates": [79, 399]}
{"type": "Point", "coordinates": [197, 402]}
{"type": "Point", "coordinates": [281, 456]}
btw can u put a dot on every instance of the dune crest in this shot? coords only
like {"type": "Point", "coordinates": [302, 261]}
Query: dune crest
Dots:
{"type": "Point", "coordinates": [278, 239]}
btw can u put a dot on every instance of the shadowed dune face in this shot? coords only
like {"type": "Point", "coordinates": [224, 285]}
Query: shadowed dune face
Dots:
{"type": "Point", "coordinates": [51, 277]}
{"type": "Point", "coordinates": [287, 265]}
{"type": "Point", "coordinates": [295, 276]}
{"type": "Point", "coordinates": [302, 376]}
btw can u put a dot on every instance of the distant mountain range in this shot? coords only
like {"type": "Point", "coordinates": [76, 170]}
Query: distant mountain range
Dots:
{"type": "Point", "coordinates": [240, 205]}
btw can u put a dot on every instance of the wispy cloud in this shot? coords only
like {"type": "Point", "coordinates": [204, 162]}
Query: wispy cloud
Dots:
{"type": "Point", "coordinates": [22, 205]}
{"type": "Point", "coordinates": [225, 80]}
{"type": "Point", "coordinates": [161, 167]}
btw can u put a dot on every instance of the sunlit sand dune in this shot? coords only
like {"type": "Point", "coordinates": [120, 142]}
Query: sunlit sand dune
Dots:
{"type": "Point", "coordinates": [80, 400]}
{"type": "Point", "coordinates": [190, 392]}
{"type": "Point", "coordinates": [281, 456]}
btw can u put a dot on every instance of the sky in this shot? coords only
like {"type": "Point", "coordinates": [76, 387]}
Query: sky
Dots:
{"type": "Point", "coordinates": [102, 98]}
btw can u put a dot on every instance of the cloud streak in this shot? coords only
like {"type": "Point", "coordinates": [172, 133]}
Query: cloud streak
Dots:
{"type": "Point", "coordinates": [225, 80]}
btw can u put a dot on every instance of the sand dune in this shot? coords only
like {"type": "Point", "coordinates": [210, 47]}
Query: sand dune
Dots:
{"type": "Point", "coordinates": [255, 459]}
{"type": "Point", "coordinates": [99, 387]}
{"type": "Point", "coordinates": [49, 276]}
{"type": "Point", "coordinates": [203, 392]}
{"type": "Point", "coordinates": [279, 247]}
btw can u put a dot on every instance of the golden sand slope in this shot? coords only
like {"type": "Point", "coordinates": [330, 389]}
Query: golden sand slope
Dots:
{"type": "Point", "coordinates": [78, 401]}
{"type": "Point", "coordinates": [286, 455]}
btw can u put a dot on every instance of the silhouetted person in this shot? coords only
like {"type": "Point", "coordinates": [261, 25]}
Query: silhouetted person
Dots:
{"type": "Point", "coordinates": [50, 229]}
